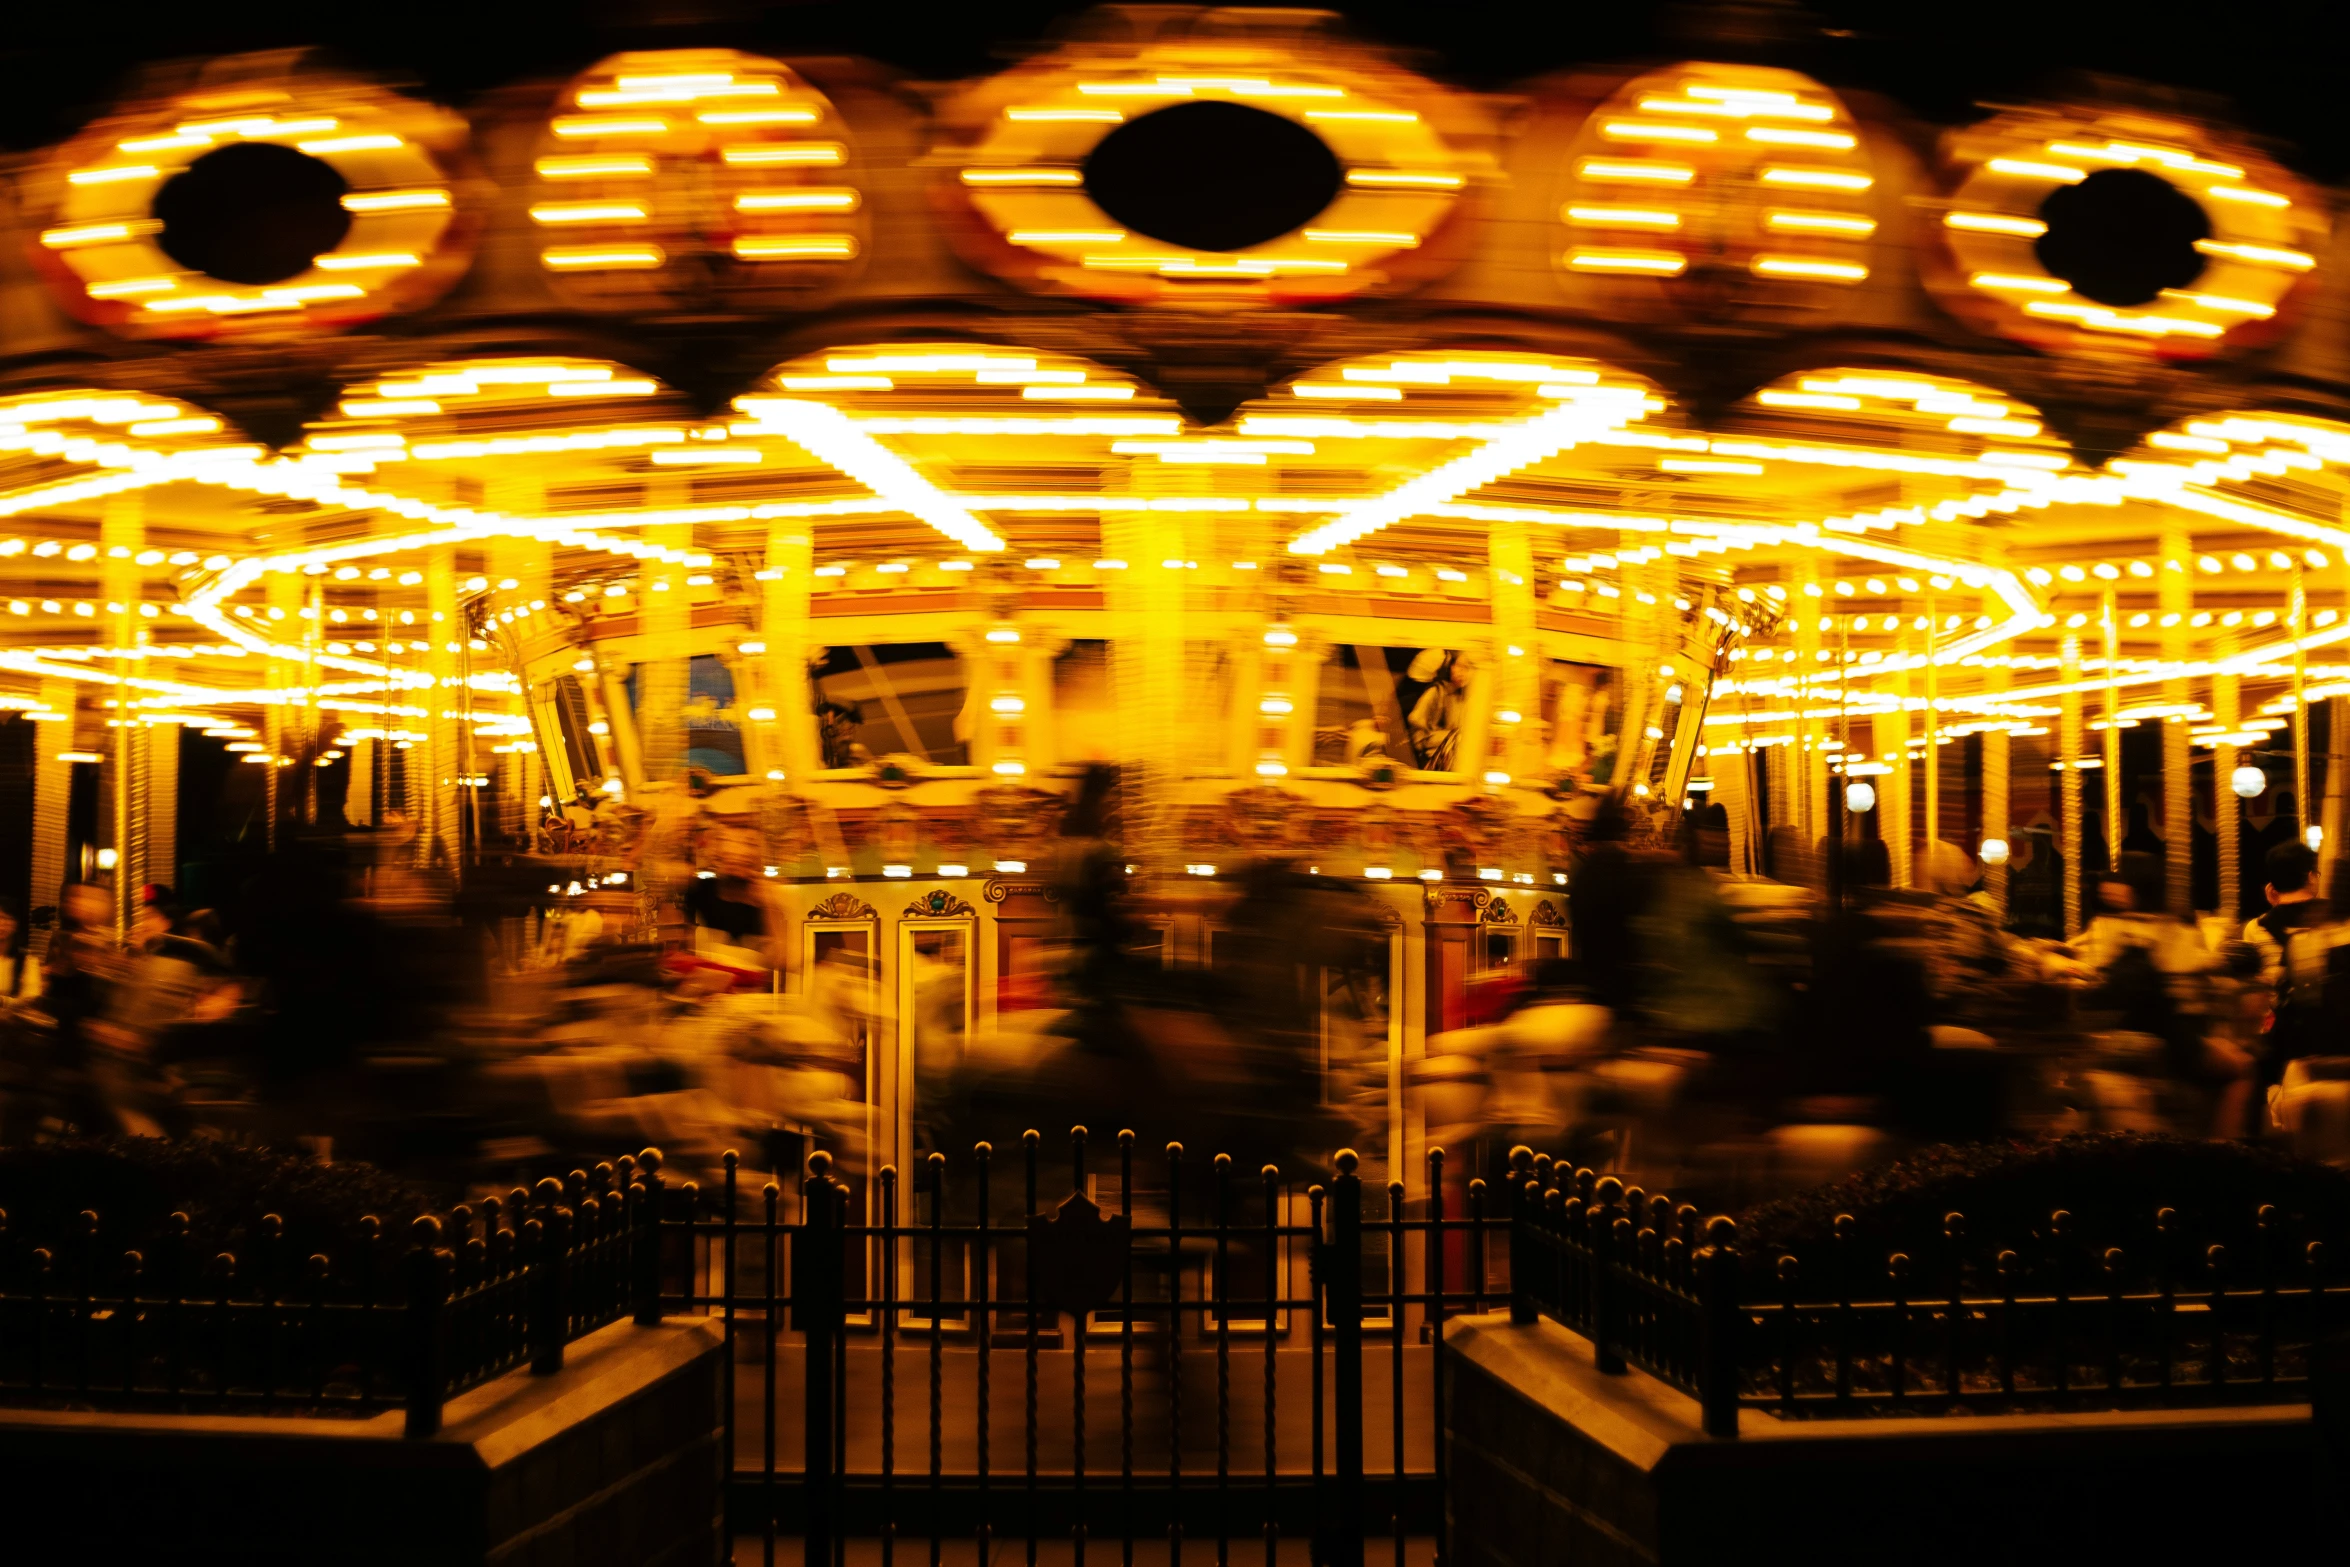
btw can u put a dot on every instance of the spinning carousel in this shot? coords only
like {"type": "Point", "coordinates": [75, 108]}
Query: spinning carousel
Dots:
{"type": "Point", "coordinates": [1374, 473]}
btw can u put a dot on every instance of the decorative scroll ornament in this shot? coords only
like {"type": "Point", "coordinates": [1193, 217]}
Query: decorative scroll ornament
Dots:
{"type": "Point", "coordinates": [1545, 913]}
{"type": "Point", "coordinates": [679, 176]}
{"type": "Point", "coordinates": [938, 903]}
{"type": "Point", "coordinates": [844, 906]}
{"type": "Point", "coordinates": [270, 201]}
{"type": "Point", "coordinates": [997, 891]}
{"type": "Point", "coordinates": [1498, 912]}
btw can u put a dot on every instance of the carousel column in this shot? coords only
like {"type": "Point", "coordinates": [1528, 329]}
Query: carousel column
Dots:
{"type": "Point", "coordinates": [783, 626]}
{"type": "Point", "coordinates": [52, 792]}
{"type": "Point", "coordinates": [122, 533]}
{"type": "Point", "coordinates": [1893, 747]}
{"type": "Point", "coordinates": [439, 840]}
{"type": "Point", "coordinates": [2297, 621]}
{"type": "Point", "coordinates": [2068, 751]}
{"type": "Point", "coordinates": [2176, 587]}
{"type": "Point", "coordinates": [160, 797]}
{"type": "Point", "coordinates": [2116, 824]}
{"type": "Point", "coordinates": [2337, 763]}
{"type": "Point", "coordinates": [666, 616]}
{"type": "Point", "coordinates": [1803, 609]}
{"type": "Point", "coordinates": [529, 565]}
{"type": "Point", "coordinates": [1517, 683]}
{"type": "Point", "coordinates": [2227, 807]}
{"type": "Point", "coordinates": [1147, 663]}
{"type": "Point", "coordinates": [359, 794]}
{"type": "Point", "coordinates": [1734, 793]}
{"type": "Point", "coordinates": [282, 591]}
{"type": "Point", "coordinates": [1995, 801]}
{"type": "Point", "coordinates": [1931, 829]}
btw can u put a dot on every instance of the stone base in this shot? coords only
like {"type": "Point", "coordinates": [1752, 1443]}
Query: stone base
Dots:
{"type": "Point", "coordinates": [1553, 1464]}
{"type": "Point", "coordinates": [614, 1460]}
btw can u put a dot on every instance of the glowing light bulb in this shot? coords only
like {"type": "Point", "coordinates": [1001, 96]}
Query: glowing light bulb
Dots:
{"type": "Point", "coordinates": [1994, 851]}
{"type": "Point", "coordinates": [2248, 781]}
{"type": "Point", "coordinates": [1860, 798]}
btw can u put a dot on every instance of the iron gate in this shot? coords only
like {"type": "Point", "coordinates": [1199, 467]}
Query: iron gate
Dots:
{"type": "Point", "coordinates": [1169, 1349]}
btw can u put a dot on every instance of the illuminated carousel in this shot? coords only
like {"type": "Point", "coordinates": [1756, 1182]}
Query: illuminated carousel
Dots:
{"type": "Point", "coordinates": [1374, 473]}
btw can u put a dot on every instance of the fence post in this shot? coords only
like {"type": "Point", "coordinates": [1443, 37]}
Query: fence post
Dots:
{"type": "Point", "coordinates": [816, 1304]}
{"type": "Point", "coordinates": [1343, 1290]}
{"type": "Point", "coordinates": [1523, 1308]}
{"type": "Point", "coordinates": [1599, 1230]}
{"type": "Point", "coordinates": [427, 1327]}
{"type": "Point", "coordinates": [1717, 1295]}
{"type": "Point", "coordinates": [645, 1238]}
{"type": "Point", "coordinates": [551, 1285]}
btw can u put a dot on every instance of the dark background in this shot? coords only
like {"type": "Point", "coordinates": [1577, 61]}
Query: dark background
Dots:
{"type": "Point", "coordinates": [2277, 66]}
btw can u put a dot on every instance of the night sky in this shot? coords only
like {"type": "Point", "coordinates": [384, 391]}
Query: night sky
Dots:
{"type": "Point", "coordinates": [2275, 67]}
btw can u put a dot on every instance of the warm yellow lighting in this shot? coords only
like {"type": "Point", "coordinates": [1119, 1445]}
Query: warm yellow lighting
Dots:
{"type": "Point", "coordinates": [1397, 239]}
{"type": "Point", "coordinates": [690, 456]}
{"type": "Point", "coordinates": [1810, 266]}
{"type": "Point", "coordinates": [2246, 196]}
{"type": "Point", "coordinates": [1624, 217]}
{"type": "Point", "coordinates": [2025, 169]}
{"type": "Point", "coordinates": [580, 125]}
{"type": "Point", "coordinates": [1818, 223]}
{"type": "Point", "coordinates": [395, 200]}
{"type": "Point", "coordinates": [383, 261]}
{"type": "Point", "coordinates": [2258, 255]}
{"type": "Point", "coordinates": [1782, 399]}
{"type": "Point", "coordinates": [1995, 223]}
{"type": "Point", "coordinates": [328, 146]}
{"type": "Point", "coordinates": [1634, 130]}
{"type": "Point", "coordinates": [131, 288]}
{"type": "Point", "coordinates": [1037, 176]}
{"type": "Point", "coordinates": [1654, 263]}
{"type": "Point", "coordinates": [1706, 465]}
{"type": "Point", "coordinates": [2221, 304]}
{"type": "Point", "coordinates": [1637, 172]}
{"type": "Point", "coordinates": [93, 234]}
{"type": "Point", "coordinates": [1413, 179]}
{"type": "Point", "coordinates": [589, 212]}
{"type": "Point", "coordinates": [1816, 179]}
{"type": "Point", "coordinates": [1780, 136]}
{"type": "Point", "coordinates": [599, 258]}
{"type": "Point", "coordinates": [114, 176]}
{"type": "Point", "coordinates": [595, 166]}
{"type": "Point", "coordinates": [1351, 393]}
{"type": "Point", "coordinates": [758, 116]}
{"type": "Point", "coordinates": [795, 247]}
{"type": "Point", "coordinates": [810, 200]}
{"type": "Point", "coordinates": [1067, 236]}
{"type": "Point", "coordinates": [787, 154]}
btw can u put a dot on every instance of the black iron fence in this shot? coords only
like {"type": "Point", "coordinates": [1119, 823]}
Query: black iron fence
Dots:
{"type": "Point", "coordinates": [1123, 1345]}
{"type": "Point", "coordinates": [1161, 1347]}
{"type": "Point", "coordinates": [2179, 1320]}
{"type": "Point", "coordinates": [391, 1322]}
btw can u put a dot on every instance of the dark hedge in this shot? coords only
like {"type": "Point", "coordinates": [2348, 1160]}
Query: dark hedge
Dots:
{"type": "Point", "coordinates": [2112, 1183]}
{"type": "Point", "coordinates": [135, 1184]}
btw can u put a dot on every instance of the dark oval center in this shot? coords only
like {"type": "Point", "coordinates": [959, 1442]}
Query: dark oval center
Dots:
{"type": "Point", "coordinates": [2122, 236]}
{"type": "Point", "coordinates": [253, 212]}
{"type": "Point", "coordinates": [1212, 176]}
